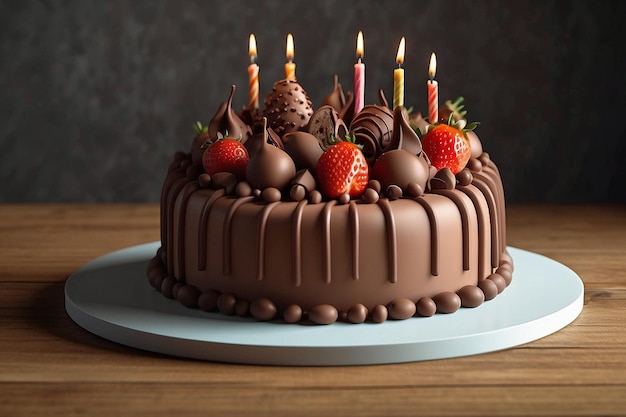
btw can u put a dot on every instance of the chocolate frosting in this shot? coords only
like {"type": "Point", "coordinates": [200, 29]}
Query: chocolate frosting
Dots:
{"type": "Point", "coordinates": [288, 107]}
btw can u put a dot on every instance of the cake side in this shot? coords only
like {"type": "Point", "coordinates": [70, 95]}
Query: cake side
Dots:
{"type": "Point", "coordinates": [300, 255]}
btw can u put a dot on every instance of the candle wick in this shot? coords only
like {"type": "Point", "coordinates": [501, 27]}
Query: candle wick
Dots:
{"type": "Point", "coordinates": [359, 61]}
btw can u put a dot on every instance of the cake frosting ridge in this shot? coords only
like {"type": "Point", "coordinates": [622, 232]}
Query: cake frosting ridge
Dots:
{"type": "Point", "coordinates": [337, 217]}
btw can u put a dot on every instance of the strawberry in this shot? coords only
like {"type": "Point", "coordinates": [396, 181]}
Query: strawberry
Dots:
{"type": "Point", "coordinates": [446, 147]}
{"type": "Point", "coordinates": [342, 169]}
{"type": "Point", "coordinates": [226, 155]}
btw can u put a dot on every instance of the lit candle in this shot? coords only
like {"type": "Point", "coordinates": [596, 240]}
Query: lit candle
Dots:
{"type": "Point", "coordinates": [290, 67]}
{"type": "Point", "coordinates": [253, 76]}
{"type": "Point", "coordinates": [433, 91]}
{"type": "Point", "coordinates": [359, 76]}
{"type": "Point", "coordinates": [398, 77]}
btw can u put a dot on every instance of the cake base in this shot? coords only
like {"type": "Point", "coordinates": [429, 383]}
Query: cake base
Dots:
{"type": "Point", "coordinates": [111, 298]}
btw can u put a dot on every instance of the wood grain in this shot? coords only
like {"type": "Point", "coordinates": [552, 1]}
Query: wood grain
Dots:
{"type": "Point", "coordinates": [51, 366]}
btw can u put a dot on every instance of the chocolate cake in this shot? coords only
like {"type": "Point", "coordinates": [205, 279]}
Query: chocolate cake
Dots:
{"type": "Point", "coordinates": [334, 218]}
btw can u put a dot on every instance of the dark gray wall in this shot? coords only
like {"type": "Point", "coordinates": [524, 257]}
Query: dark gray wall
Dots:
{"type": "Point", "coordinates": [95, 96]}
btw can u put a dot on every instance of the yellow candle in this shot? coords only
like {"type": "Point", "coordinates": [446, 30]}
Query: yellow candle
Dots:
{"type": "Point", "coordinates": [398, 77]}
{"type": "Point", "coordinates": [253, 76]}
{"type": "Point", "coordinates": [290, 66]}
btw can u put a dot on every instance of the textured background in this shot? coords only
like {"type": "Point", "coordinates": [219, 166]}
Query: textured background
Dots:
{"type": "Point", "coordinates": [96, 96]}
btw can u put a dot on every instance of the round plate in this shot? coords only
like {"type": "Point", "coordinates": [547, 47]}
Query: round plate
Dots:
{"type": "Point", "coordinates": [111, 297]}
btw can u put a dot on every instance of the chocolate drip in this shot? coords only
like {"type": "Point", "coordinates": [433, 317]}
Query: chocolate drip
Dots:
{"type": "Point", "coordinates": [203, 234]}
{"type": "Point", "coordinates": [263, 217]}
{"type": "Point", "coordinates": [482, 229]}
{"type": "Point", "coordinates": [296, 243]}
{"type": "Point", "coordinates": [326, 215]}
{"type": "Point", "coordinates": [354, 224]}
{"type": "Point", "coordinates": [493, 218]}
{"type": "Point", "coordinates": [165, 191]}
{"type": "Point", "coordinates": [188, 190]}
{"type": "Point", "coordinates": [434, 242]}
{"type": "Point", "coordinates": [176, 188]}
{"type": "Point", "coordinates": [464, 212]}
{"type": "Point", "coordinates": [485, 176]}
{"type": "Point", "coordinates": [392, 241]}
{"type": "Point", "coordinates": [492, 169]}
{"type": "Point", "coordinates": [227, 233]}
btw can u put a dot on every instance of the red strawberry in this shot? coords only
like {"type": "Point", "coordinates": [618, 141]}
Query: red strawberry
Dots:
{"type": "Point", "coordinates": [226, 155]}
{"type": "Point", "coordinates": [446, 147]}
{"type": "Point", "coordinates": [342, 169]}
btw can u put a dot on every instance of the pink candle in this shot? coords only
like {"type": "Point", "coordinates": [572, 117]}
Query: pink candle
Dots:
{"type": "Point", "coordinates": [433, 91]}
{"type": "Point", "coordinates": [290, 67]}
{"type": "Point", "coordinates": [359, 76]}
{"type": "Point", "coordinates": [253, 76]}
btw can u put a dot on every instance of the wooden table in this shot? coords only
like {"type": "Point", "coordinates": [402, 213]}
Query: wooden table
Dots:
{"type": "Point", "coordinates": [50, 365]}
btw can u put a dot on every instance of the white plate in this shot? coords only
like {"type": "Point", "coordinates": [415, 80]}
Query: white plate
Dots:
{"type": "Point", "coordinates": [111, 297]}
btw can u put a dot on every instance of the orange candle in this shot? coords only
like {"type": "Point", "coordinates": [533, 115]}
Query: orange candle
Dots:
{"type": "Point", "coordinates": [433, 91]}
{"type": "Point", "coordinates": [359, 76]}
{"type": "Point", "coordinates": [398, 77]}
{"type": "Point", "coordinates": [253, 76]}
{"type": "Point", "coordinates": [290, 67]}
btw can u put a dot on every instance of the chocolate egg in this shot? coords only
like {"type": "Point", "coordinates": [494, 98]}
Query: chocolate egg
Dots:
{"type": "Point", "coordinates": [323, 314]}
{"type": "Point", "coordinates": [287, 107]}
{"type": "Point", "coordinates": [471, 296]}
{"type": "Point", "coordinates": [447, 302]}
{"type": "Point", "coordinates": [401, 308]}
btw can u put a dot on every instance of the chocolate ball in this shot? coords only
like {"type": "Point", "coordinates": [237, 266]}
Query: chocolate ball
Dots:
{"type": "Point", "coordinates": [400, 167]}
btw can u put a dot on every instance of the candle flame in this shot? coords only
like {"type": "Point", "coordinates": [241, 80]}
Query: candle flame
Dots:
{"type": "Point", "coordinates": [252, 47]}
{"type": "Point", "coordinates": [432, 67]}
{"type": "Point", "coordinates": [400, 55]}
{"type": "Point", "coordinates": [359, 45]}
{"type": "Point", "coordinates": [289, 54]}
